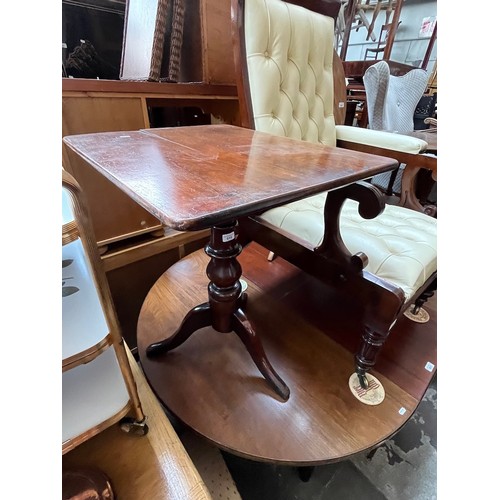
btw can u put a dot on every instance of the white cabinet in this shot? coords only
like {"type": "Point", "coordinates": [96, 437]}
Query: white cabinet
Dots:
{"type": "Point", "coordinates": [98, 388]}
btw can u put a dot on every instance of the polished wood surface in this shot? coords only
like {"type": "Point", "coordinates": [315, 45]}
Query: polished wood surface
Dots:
{"type": "Point", "coordinates": [149, 88]}
{"type": "Point", "coordinates": [356, 69]}
{"type": "Point", "coordinates": [193, 177]}
{"type": "Point", "coordinates": [339, 91]}
{"type": "Point", "coordinates": [114, 215]}
{"type": "Point", "coordinates": [308, 332]}
{"type": "Point", "coordinates": [154, 466]}
{"type": "Point", "coordinates": [92, 105]}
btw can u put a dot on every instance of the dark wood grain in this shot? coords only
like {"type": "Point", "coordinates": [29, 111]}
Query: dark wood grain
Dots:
{"type": "Point", "coordinates": [212, 385]}
{"type": "Point", "coordinates": [192, 178]}
{"type": "Point", "coordinates": [122, 86]}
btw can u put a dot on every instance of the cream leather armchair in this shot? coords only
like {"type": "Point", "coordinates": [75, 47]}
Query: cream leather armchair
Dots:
{"type": "Point", "coordinates": [284, 55]}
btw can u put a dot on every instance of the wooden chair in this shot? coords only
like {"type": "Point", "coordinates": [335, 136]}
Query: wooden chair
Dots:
{"type": "Point", "coordinates": [384, 258]}
{"type": "Point", "coordinates": [374, 52]}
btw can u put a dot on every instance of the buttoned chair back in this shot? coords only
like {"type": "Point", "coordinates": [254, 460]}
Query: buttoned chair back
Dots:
{"type": "Point", "coordinates": [392, 100]}
{"type": "Point", "coordinates": [391, 103]}
{"type": "Point", "coordinates": [289, 55]}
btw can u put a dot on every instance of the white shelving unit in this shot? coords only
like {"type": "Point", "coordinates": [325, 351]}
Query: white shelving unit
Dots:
{"type": "Point", "coordinates": [98, 387]}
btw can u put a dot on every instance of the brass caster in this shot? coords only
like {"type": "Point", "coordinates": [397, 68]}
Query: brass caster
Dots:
{"type": "Point", "coordinates": [132, 426]}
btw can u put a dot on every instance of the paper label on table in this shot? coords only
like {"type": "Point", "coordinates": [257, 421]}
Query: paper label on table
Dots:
{"type": "Point", "coordinates": [429, 366]}
{"type": "Point", "coordinates": [228, 237]}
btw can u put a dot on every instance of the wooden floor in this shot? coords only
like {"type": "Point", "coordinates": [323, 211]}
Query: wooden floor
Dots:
{"type": "Point", "coordinates": [309, 334]}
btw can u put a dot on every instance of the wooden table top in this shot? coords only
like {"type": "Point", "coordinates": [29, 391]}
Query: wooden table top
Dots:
{"type": "Point", "coordinates": [191, 178]}
{"type": "Point", "coordinates": [310, 334]}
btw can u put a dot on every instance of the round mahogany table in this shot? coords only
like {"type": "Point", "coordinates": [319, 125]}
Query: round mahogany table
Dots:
{"type": "Point", "coordinates": [212, 385]}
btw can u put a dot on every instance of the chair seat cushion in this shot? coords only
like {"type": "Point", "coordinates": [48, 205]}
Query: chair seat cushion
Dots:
{"type": "Point", "coordinates": [401, 244]}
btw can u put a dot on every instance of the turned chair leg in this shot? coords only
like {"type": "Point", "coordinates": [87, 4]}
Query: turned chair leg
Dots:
{"type": "Point", "coordinates": [372, 343]}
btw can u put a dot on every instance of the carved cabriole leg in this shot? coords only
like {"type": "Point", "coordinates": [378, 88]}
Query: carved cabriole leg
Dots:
{"type": "Point", "coordinates": [198, 317]}
{"type": "Point", "coordinates": [223, 311]}
{"type": "Point", "coordinates": [246, 333]}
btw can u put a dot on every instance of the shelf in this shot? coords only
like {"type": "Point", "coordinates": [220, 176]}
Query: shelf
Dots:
{"type": "Point", "coordinates": [153, 89]}
{"type": "Point", "coordinates": [85, 331]}
{"type": "Point", "coordinates": [94, 396]}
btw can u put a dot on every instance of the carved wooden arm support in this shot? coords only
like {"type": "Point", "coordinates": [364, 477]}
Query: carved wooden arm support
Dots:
{"type": "Point", "coordinates": [408, 188]}
{"type": "Point", "coordinates": [413, 162]}
{"type": "Point", "coordinates": [371, 204]}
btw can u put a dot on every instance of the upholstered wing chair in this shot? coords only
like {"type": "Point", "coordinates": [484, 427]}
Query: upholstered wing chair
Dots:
{"type": "Point", "coordinates": [391, 103]}
{"type": "Point", "coordinates": [388, 262]}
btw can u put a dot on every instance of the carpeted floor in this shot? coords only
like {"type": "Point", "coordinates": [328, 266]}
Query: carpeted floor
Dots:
{"type": "Point", "coordinates": [402, 468]}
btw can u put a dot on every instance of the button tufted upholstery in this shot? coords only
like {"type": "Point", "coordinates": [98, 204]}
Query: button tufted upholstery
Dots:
{"type": "Point", "coordinates": [392, 100]}
{"type": "Point", "coordinates": [289, 58]}
{"type": "Point", "coordinates": [291, 86]}
{"type": "Point", "coordinates": [400, 244]}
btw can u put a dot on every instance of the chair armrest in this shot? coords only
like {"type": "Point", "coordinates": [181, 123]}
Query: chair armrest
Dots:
{"type": "Point", "coordinates": [381, 139]}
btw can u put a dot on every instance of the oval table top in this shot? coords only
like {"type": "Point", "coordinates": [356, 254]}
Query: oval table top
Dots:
{"type": "Point", "coordinates": [211, 384]}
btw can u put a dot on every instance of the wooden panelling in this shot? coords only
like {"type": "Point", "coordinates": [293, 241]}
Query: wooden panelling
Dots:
{"type": "Point", "coordinates": [217, 48]}
{"type": "Point", "coordinates": [207, 51]}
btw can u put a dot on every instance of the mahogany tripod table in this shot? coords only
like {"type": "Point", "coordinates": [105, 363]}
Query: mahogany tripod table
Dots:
{"type": "Point", "coordinates": [194, 178]}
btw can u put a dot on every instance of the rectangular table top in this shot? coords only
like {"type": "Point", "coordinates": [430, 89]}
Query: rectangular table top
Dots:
{"type": "Point", "coordinates": [194, 177]}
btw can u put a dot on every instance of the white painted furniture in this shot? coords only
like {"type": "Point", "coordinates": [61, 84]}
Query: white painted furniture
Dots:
{"type": "Point", "coordinates": [98, 388]}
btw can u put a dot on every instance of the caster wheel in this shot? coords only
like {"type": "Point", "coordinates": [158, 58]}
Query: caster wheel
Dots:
{"type": "Point", "coordinates": [131, 426]}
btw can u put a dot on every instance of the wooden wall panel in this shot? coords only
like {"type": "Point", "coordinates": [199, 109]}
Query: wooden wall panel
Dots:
{"type": "Point", "coordinates": [217, 48]}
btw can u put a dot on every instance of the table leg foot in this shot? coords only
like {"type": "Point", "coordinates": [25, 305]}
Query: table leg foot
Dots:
{"type": "Point", "coordinates": [198, 317]}
{"type": "Point", "coordinates": [243, 328]}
